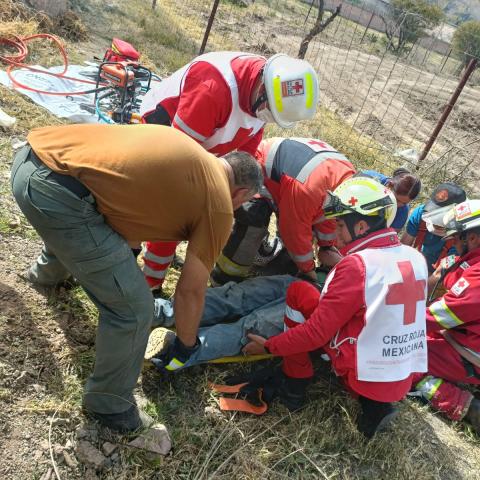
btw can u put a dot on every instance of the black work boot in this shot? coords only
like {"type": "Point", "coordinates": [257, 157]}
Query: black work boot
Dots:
{"type": "Point", "coordinates": [473, 415]}
{"type": "Point", "coordinates": [132, 420]}
{"type": "Point", "coordinates": [68, 283]}
{"type": "Point", "coordinates": [292, 392]}
{"type": "Point", "coordinates": [375, 416]}
{"type": "Point", "coordinates": [219, 277]}
{"type": "Point", "coordinates": [281, 264]}
{"type": "Point", "coordinates": [268, 250]}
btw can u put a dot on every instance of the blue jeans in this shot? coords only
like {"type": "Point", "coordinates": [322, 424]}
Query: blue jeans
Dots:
{"type": "Point", "coordinates": [79, 242]}
{"type": "Point", "coordinates": [255, 306]}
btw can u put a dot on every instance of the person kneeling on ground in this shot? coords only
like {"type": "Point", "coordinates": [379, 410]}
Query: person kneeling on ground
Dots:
{"type": "Point", "coordinates": [361, 340]}
{"type": "Point", "coordinates": [453, 322]}
{"type": "Point", "coordinates": [423, 230]}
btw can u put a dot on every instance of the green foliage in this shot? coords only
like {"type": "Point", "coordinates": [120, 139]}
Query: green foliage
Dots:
{"type": "Point", "coordinates": [466, 41]}
{"type": "Point", "coordinates": [408, 21]}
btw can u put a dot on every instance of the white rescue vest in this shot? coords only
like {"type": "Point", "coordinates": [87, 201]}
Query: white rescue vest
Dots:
{"type": "Point", "coordinates": [392, 345]}
{"type": "Point", "coordinates": [173, 85]}
{"type": "Point", "coordinates": [388, 350]}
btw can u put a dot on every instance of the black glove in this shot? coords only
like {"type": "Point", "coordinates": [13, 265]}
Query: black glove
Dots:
{"type": "Point", "coordinates": [175, 356]}
{"type": "Point", "coordinates": [269, 383]}
{"type": "Point", "coordinates": [262, 384]}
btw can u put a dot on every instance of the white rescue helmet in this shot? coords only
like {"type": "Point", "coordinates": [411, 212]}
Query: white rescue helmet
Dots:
{"type": "Point", "coordinates": [434, 220]}
{"type": "Point", "coordinates": [462, 217]}
{"type": "Point", "coordinates": [362, 195]}
{"type": "Point", "coordinates": [292, 89]}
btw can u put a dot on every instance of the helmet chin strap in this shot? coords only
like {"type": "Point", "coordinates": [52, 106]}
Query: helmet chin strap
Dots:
{"type": "Point", "coordinates": [261, 99]}
{"type": "Point", "coordinates": [350, 221]}
{"type": "Point", "coordinates": [353, 218]}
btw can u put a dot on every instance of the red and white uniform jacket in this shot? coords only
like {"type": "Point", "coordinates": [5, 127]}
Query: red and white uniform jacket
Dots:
{"type": "Point", "coordinates": [298, 172]}
{"type": "Point", "coordinates": [458, 311]}
{"type": "Point", "coordinates": [209, 100]}
{"type": "Point", "coordinates": [370, 318]}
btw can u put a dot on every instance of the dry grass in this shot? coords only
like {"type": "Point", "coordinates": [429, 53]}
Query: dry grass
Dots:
{"type": "Point", "coordinates": [27, 22]}
{"type": "Point", "coordinates": [13, 28]}
{"type": "Point", "coordinates": [320, 442]}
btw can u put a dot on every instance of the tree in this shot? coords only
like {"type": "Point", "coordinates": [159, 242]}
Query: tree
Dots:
{"type": "Point", "coordinates": [407, 21]}
{"type": "Point", "coordinates": [319, 27]}
{"type": "Point", "coordinates": [466, 41]}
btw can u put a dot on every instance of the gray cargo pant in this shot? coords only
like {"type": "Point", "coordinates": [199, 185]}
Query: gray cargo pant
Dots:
{"type": "Point", "coordinates": [78, 241]}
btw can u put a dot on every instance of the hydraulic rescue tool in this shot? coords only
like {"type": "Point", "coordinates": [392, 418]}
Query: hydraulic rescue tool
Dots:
{"type": "Point", "coordinates": [124, 81]}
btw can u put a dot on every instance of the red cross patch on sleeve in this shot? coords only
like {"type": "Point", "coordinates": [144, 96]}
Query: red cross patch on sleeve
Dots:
{"type": "Point", "coordinates": [290, 88]}
{"type": "Point", "coordinates": [459, 287]}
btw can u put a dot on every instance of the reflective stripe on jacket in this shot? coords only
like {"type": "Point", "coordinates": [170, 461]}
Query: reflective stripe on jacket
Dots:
{"type": "Point", "coordinates": [458, 311]}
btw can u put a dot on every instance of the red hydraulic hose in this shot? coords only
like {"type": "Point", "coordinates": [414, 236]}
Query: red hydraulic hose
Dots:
{"type": "Point", "coordinates": [16, 60]}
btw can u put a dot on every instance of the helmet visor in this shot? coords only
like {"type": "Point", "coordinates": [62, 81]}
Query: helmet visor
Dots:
{"type": "Point", "coordinates": [450, 224]}
{"type": "Point", "coordinates": [434, 220]}
{"type": "Point", "coordinates": [334, 207]}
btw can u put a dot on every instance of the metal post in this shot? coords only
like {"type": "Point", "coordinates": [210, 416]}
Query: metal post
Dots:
{"type": "Point", "coordinates": [308, 14]}
{"type": "Point", "coordinates": [448, 108]}
{"type": "Point", "coordinates": [367, 27]}
{"type": "Point", "coordinates": [445, 60]}
{"type": "Point", "coordinates": [209, 26]}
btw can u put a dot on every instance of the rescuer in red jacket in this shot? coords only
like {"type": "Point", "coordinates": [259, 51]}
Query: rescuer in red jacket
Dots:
{"type": "Point", "coordinates": [369, 318]}
{"type": "Point", "coordinates": [423, 230]}
{"type": "Point", "coordinates": [223, 100]}
{"type": "Point", "coordinates": [298, 173]}
{"type": "Point", "coordinates": [453, 322]}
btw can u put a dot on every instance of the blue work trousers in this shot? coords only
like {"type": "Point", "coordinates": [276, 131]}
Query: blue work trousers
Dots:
{"type": "Point", "coordinates": [231, 312]}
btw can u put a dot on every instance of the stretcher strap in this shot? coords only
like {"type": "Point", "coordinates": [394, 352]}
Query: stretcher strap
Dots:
{"type": "Point", "coordinates": [236, 404]}
{"type": "Point", "coordinates": [226, 388]}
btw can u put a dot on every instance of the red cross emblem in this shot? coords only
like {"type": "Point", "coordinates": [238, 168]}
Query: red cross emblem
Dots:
{"type": "Point", "coordinates": [319, 143]}
{"type": "Point", "coordinates": [353, 201]}
{"type": "Point", "coordinates": [290, 88]}
{"type": "Point", "coordinates": [460, 286]}
{"type": "Point", "coordinates": [406, 293]}
{"type": "Point", "coordinates": [462, 211]}
{"type": "Point", "coordinates": [297, 87]}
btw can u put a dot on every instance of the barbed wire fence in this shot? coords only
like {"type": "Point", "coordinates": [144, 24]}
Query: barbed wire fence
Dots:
{"type": "Point", "coordinates": [391, 103]}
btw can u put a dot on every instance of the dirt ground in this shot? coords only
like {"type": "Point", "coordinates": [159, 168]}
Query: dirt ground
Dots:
{"type": "Point", "coordinates": [398, 105]}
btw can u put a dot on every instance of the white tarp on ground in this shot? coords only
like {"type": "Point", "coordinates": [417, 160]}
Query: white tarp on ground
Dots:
{"type": "Point", "coordinates": [61, 106]}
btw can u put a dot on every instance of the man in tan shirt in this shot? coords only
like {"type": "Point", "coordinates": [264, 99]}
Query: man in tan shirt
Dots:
{"type": "Point", "coordinates": [94, 191]}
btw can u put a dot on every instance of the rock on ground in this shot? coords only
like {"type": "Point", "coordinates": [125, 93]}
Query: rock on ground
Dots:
{"type": "Point", "coordinates": [90, 456]}
{"type": "Point", "coordinates": [156, 440]}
